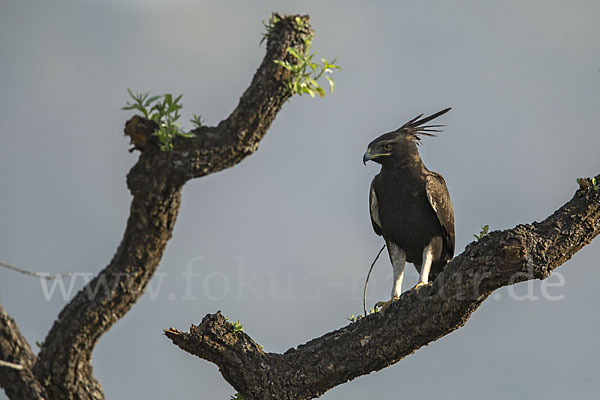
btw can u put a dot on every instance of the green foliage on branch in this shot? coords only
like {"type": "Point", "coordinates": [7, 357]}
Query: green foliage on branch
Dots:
{"type": "Point", "coordinates": [273, 19]}
{"type": "Point", "coordinates": [355, 318]}
{"type": "Point", "coordinates": [589, 184]}
{"type": "Point", "coordinates": [236, 327]}
{"type": "Point", "coordinates": [305, 72]}
{"type": "Point", "coordinates": [164, 110]}
{"type": "Point", "coordinates": [197, 121]}
{"type": "Point", "coordinates": [484, 232]}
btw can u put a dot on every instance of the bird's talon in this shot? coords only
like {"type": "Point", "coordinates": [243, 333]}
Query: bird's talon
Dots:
{"type": "Point", "coordinates": [419, 285]}
{"type": "Point", "coordinates": [384, 305]}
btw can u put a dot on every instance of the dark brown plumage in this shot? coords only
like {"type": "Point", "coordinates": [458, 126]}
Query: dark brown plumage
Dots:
{"type": "Point", "coordinates": [410, 205]}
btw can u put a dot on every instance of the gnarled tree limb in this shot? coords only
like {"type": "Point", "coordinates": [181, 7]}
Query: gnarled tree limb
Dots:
{"type": "Point", "coordinates": [18, 383]}
{"type": "Point", "coordinates": [62, 368]}
{"type": "Point", "coordinates": [502, 258]}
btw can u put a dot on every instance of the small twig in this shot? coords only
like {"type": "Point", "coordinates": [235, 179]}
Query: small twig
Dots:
{"type": "Point", "coordinates": [36, 274]}
{"type": "Point", "coordinates": [367, 280]}
{"type": "Point", "coordinates": [10, 365]}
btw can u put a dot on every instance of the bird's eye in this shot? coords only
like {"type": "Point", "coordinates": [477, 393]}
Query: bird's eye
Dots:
{"type": "Point", "coordinates": [387, 147]}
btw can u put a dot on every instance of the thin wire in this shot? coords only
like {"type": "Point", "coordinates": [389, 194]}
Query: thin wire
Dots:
{"type": "Point", "coordinates": [367, 281]}
{"type": "Point", "coordinates": [36, 274]}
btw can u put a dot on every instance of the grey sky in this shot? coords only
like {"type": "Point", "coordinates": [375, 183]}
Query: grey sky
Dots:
{"type": "Point", "coordinates": [283, 241]}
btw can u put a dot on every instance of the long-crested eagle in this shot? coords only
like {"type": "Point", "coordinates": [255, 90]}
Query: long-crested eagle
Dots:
{"type": "Point", "coordinates": [410, 205]}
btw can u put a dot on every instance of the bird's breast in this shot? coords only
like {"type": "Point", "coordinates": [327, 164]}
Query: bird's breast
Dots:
{"type": "Point", "coordinates": [405, 215]}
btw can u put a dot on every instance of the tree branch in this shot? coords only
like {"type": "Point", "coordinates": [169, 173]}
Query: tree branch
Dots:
{"type": "Point", "coordinates": [155, 181]}
{"type": "Point", "coordinates": [14, 349]}
{"type": "Point", "coordinates": [499, 259]}
{"type": "Point", "coordinates": [213, 149]}
{"type": "Point", "coordinates": [64, 360]}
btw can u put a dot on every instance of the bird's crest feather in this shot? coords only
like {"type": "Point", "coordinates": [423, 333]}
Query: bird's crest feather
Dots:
{"type": "Point", "coordinates": [415, 126]}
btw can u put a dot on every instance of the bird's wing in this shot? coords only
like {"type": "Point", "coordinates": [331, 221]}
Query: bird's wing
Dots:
{"type": "Point", "coordinates": [439, 198]}
{"type": "Point", "coordinates": [374, 208]}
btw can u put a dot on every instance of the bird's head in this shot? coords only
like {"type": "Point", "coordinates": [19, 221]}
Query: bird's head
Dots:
{"type": "Point", "coordinates": [401, 145]}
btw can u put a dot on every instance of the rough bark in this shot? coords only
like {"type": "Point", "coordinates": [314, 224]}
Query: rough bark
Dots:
{"type": "Point", "coordinates": [62, 369]}
{"type": "Point", "coordinates": [502, 258]}
{"type": "Point", "coordinates": [18, 384]}
{"type": "Point", "coordinates": [64, 359]}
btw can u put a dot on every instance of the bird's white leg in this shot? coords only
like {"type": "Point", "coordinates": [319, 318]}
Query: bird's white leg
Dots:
{"type": "Point", "coordinates": [426, 265]}
{"type": "Point", "coordinates": [398, 259]}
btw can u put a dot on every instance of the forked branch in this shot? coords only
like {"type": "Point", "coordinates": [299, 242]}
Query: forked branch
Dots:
{"type": "Point", "coordinates": [62, 369]}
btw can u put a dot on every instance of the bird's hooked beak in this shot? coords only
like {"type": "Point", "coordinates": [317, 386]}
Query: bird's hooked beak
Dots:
{"type": "Point", "coordinates": [371, 156]}
{"type": "Point", "coordinates": [367, 156]}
